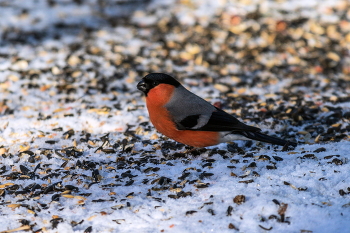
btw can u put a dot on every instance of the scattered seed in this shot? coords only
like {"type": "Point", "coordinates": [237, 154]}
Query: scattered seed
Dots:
{"type": "Point", "coordinates": [231, 226]}
{"type": "Point", "coordinates": [321, 149]}
{"type": "Point", "coordinates": [239, 199]}
{"type": "Point", "coordinates": [266, 229]}
{"type": "Point", "coordinates": [229, 211]}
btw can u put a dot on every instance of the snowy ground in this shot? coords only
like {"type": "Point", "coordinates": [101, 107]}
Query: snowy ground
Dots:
{"type": "Point", "coordinates": [79, 155]}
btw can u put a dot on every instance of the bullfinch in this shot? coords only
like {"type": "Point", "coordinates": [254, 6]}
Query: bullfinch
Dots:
{"type": "Point", "coordinates": [187, 118]}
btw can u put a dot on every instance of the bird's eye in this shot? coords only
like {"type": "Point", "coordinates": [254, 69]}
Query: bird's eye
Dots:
{"type": "Point", "coordinates": [155, 83]}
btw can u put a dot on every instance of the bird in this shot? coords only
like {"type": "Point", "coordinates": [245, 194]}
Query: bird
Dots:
{"type": "Point", "coordinates": [187, 118]}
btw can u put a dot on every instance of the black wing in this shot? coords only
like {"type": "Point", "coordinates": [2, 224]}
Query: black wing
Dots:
{"type": "Point", "coordinates": [219, 121]}
{"type": "Point", "coordinates": [189, 122]}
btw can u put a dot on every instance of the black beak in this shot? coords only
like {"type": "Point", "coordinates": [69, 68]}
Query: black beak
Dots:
{"type": "Point", "coordinates": [142, 86]}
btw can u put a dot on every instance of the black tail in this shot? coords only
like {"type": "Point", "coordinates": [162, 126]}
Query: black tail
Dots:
{"type": "Point", "coordinates": [266, 138]}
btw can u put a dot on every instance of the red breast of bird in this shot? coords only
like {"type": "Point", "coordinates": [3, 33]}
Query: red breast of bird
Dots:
{"type": "Point", "coordinates": [156, 100]}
